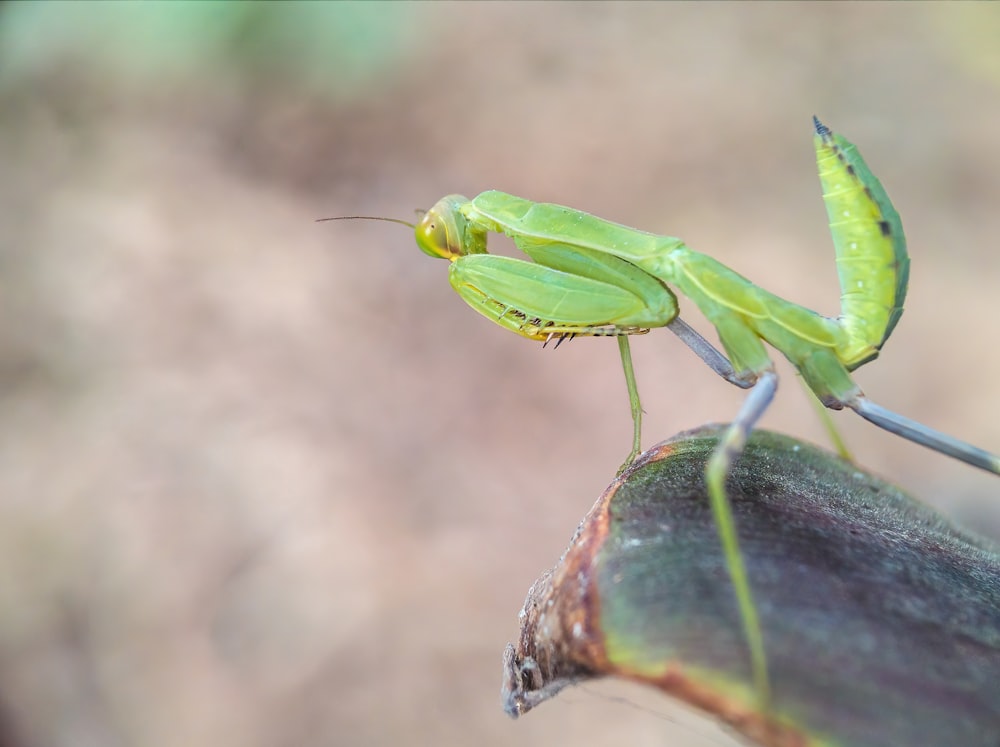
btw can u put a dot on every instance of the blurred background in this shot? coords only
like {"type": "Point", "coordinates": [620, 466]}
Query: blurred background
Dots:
{"type": "Point", "coordinates": [266, 481]}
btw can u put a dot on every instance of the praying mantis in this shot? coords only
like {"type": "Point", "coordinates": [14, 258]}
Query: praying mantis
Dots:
{"type": "Point", "coordinates": [592, 277]}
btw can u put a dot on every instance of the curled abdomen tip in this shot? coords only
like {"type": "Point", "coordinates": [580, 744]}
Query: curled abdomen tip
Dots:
{"type": "Point", "coordinates": [821, 129]}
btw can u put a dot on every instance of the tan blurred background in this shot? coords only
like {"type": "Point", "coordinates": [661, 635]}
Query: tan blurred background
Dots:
{"type": "Point", "coordinates": [270, 482]}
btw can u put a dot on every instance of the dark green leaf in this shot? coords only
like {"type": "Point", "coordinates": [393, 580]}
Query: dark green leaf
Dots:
{"type": "Point", "coordinates": [881, 619]}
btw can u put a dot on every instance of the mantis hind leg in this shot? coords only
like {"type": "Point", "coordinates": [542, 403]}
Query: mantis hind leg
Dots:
{"type": "Point", "coordinates": [832, 384]}
{"type": "Point", "coordinates": [719, 466]}
{"type": "Point", "coordinates": [923, 435]}
{"type": "Point", "coordinates": [832, 432]}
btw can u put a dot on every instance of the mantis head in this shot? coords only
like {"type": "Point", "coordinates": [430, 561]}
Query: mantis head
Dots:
{"type": "Point", "coordinates": [443, 231]}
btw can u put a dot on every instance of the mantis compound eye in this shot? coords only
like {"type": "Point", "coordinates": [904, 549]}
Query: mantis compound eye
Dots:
{"type": "Point", "coordinates": [440, 232]}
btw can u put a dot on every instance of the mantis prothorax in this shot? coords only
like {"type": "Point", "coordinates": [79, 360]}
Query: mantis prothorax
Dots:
{"type": "Point", "coordinates": [591, 277]}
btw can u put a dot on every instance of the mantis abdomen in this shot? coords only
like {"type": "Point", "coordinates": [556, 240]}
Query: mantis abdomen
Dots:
{"type": "Point", "coordinates": [872, 262]}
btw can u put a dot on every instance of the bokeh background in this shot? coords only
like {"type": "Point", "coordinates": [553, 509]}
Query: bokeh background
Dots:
{"type": "Point", "coordinates": [266, 481]}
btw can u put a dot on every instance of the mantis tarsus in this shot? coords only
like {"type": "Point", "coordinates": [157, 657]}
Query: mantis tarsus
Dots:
{"type": "Point", "coordinates": [591, 277]}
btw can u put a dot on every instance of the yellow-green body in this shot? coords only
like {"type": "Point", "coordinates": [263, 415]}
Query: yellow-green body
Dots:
{"type": "Point", "coordinates": [594, 277]}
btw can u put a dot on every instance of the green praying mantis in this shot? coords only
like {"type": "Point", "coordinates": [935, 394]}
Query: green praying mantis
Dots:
{"type": "Point", "coordinates": [592, 277]}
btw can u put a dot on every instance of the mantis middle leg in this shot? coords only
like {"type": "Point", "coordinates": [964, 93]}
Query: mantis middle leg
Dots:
{"type": "Point", "coordinates": [633, 399]}
{"type": "Point", "coordinates": [719, 363]}
{"type": "Point", "coordinates": [720, 463]}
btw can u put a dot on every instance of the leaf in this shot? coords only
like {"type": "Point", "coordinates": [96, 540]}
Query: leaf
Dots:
{"type": "Point", "coordinates": [881, 619]}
